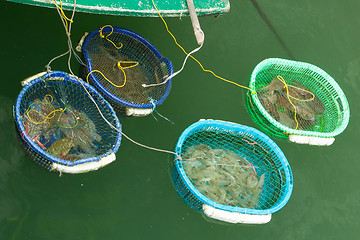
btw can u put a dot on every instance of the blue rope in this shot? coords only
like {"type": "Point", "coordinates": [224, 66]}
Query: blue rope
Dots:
{"type": "Point", "coordinates": [154, 110]}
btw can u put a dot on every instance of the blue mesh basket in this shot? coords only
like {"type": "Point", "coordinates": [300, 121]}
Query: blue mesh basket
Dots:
{"type": "Point", "coordinates": [231, 172]}
{"type": "Point", "coordinates": [119, 62]}
{"type": "Point", "coordinates": [90, 143]}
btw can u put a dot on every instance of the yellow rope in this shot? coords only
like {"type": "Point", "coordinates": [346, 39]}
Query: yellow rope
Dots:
{"type": "Point", "coordinates": [281, 79]}
{"type": "Point", "coordinates": [106, 37]}
{"type": "Point", "coordinates": [45, 117]}
{"type": "Point", "coordinates": [87, 77]}
{"type": "Point", "coordinates": [288, 96]}
{"type": "Point", "coordinates": [66, 19]}
{"type": "Point", "coordinates": [50, 115]}
{"type": "Point", "coordinates": [134, 64]}
{"type": "Point", "coordinates": [226, 80]}
{"type": "Point", "coordinates": [205, 70]}
{"type": "Point", "coordinates": [51, 98]}
{"type": "Point", "coordinates": [127, 62]}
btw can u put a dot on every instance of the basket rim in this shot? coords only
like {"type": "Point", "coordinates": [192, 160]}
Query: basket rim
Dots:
{"type": "Point", "coordinates": [36, 147]}
{"type": "Point", "coordinates": [145, 42]}
{"type": "Point", "coordinates": [236, 128]}
{"type": "Point", "coordinates": [301, 65]}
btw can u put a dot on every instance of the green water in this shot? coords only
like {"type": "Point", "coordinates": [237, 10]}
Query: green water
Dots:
{"type": "Point", "coordinates": [133, 198]}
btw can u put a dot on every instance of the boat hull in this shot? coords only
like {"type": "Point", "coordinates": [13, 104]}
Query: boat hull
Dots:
{"type": "Point", "coordinates": [137, 8]}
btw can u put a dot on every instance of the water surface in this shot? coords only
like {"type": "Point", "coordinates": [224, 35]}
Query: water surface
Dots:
{"type": "Point", "coordinates": [133, 198]}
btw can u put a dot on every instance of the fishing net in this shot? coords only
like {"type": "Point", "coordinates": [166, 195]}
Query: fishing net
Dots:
{"type": "Point", "coordinates": [235, 170]}
{"type": "Point", "coordinates": [61, 128]}
{"type": "Point", "coordinates": [120, 63]}
{"type": "Point", "coordinates": [297, 100]}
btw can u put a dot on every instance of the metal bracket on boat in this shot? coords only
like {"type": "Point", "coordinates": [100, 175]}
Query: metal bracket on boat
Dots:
{"type": "Point", "coordinates": [195, 22]}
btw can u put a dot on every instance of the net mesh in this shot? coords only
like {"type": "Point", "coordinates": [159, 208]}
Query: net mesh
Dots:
{"type": "Point", "coordinates": [297, 98]}
{"type": "Point", "coordinates": [120, 62]}
{"type": "Point", "coordinates": [56, 117]}
{"type": "Point", "coordinates": [236, 169]}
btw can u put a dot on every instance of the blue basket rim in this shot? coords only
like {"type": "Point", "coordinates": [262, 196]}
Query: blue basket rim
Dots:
{"type": "Point", "coordinates": [36, 147]}
{"type": "Point", "coordinates": [146, 43]}
{"type": "Point", "coordinates": [236, 127]}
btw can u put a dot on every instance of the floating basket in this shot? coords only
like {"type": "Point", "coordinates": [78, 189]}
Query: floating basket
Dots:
{"type": "Point", "coordinates": [119, 63]}
{"type": "Point", "coordinates": [60, 127]}
{"type": "Point", "coordinates": [231, 172]}
{"type": "Point", "coordinates": [322, 109]}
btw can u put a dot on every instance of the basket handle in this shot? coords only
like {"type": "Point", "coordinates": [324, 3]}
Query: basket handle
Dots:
{"type": "Point", "coordinates": [29, 79]}
{"type": "Point", "coordinates": [81, 42]}
{"type": "Point", "coordinates": [235, 217]}
{"type": "Point", "coordinates": [311, 140]}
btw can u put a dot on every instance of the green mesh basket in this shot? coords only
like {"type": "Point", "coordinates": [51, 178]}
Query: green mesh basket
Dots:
{"type": "Point", "coordinates": [317, 102]}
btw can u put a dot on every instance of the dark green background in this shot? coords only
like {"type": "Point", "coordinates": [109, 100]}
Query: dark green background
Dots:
{"type": "Point", "coordinates": [133, 198]}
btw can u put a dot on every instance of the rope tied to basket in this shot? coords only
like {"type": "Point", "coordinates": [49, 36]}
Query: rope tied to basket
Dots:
{"type": "Point", "coordinates": [62, 14]}
{"type": "Point", "coordinates": [285, 86]}
{"type": "Point", "coordinates": [220, 169]}
{"type": "Point", "coordinates": [50, 115]}
{"type": "Point", "coordinates": [106, 36]}
{"type": "Point", "coordinates": [121, 64]}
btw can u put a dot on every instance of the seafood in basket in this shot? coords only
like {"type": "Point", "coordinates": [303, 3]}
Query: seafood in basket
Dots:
{"type": "Point", "coordinates": [289, 104]}
{"type": "Point", "coordinates": [64, 124]}
{"type": "Point", "coordinates": [62, 132]}
{"type": "Point", "coordinates": [223, 175]}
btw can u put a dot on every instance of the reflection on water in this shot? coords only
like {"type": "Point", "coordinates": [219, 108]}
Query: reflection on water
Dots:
{"type": "Point", "coordinates": [11, 157]}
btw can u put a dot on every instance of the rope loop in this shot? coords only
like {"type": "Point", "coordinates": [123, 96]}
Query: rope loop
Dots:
{"type": "Point", "coordinates": [106, 37]}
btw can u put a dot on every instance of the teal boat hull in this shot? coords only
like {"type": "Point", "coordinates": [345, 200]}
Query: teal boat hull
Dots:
{"type": "Point", "coordinates": [137, 8]}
